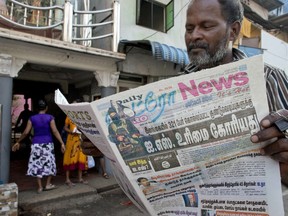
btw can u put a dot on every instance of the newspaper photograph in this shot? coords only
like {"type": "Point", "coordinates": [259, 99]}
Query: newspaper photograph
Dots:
{"type": "Point", "coordinates": [181, 146]}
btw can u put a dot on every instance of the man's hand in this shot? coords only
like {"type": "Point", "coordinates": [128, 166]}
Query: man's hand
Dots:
{"type": "Point", "coordinates": [278, 149]}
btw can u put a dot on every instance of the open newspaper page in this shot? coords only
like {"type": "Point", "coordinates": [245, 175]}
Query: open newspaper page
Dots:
{"type": "Point", "coordinates": [181, 146]}
{"type": "Point", "coordinates": [84, 117]}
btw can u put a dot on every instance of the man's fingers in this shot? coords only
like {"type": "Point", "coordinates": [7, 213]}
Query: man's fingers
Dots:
{"type": "Point", "coordinates": [266, 134]}
{"type": "Point", "coordinates": [278, 150]}
{"type": "Point", "coordinates": [273, 117]}
{"type": "Point", "coordinates": [274, 128]}
{"type": "Point", "coordinates": [281, 157]}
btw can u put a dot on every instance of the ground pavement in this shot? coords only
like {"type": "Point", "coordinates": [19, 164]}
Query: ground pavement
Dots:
{"type": "Point", "coordinates": [28, 197]}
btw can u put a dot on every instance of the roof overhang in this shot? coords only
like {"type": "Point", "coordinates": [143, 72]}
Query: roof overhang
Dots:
{"type": "Point", "coordinates": [278, 23]}
{"type": "Point", "coordinates": [160, 51]}
{"type": "Point", "coordinates": [54, 61]}
{"type": "Point", "coordinates": [46, 51]}
{"type": "Point", "coordinates": [269, 4]}
{"type": "Point", "coordinates": [266, 24]}
{"type": "Point", "coordinates": [281, 21]}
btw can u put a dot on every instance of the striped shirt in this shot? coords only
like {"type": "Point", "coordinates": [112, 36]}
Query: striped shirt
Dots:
{"type": "Point", "coordinates": [276, 88]}
{"type": "Point", "coordinates": [276, 82]}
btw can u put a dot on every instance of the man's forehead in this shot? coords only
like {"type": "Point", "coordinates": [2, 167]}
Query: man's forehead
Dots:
{"type": "Point", "coordinates": [206, 4]}
{"type": "Point", "coordinates": [210, 1]}
{"type": "Point", "coordinates": [200, 8]}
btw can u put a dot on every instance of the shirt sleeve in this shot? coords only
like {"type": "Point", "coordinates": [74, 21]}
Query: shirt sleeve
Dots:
{"type": "Point", "coordinates": [276, 88]}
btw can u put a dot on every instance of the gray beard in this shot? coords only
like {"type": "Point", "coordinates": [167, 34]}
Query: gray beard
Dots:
{"type": "Point", "coordinates": [207, 60]}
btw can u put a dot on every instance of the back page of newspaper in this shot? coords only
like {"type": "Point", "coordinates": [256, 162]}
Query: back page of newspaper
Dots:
{"type": "Point", "coordinates": [181, 146]}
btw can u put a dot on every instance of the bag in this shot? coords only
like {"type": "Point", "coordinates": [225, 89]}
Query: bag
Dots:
{"type": "Point", "coordinates": [91, 162]}
{"type": "Point", "coordinates": [88, 148]}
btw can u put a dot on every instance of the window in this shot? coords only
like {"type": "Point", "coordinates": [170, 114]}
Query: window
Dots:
{"type": "Point", "coordinates": [129, 81]}
{"type": "Point", "coordinates": [155, 15]}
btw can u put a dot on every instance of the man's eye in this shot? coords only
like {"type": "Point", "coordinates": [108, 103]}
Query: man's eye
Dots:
{"type": "Point", "coordinates": [207, 26]}
{"type": "Point", "coordinates": [189, 30]}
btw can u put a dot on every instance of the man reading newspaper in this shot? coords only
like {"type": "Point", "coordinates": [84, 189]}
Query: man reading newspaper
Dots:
{"type": "Point", "coordinates": [193, 133]}
{"type": "Point", "coordinates": [211, 27]}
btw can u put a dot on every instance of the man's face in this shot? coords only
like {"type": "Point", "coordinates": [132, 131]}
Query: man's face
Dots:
{"type": "Point", "coordinates": [145, 182]}
{"type": "Point", "coordinates": [207, 34]}
{"type": "Point", "coordinates": [113, 116]}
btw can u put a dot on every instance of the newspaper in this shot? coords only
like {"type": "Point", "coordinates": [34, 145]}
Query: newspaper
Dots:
{"type": "Point", "coordinates": [181, 146]}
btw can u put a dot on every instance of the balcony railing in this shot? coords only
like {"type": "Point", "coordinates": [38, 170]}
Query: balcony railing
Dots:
{"type": "Point", "coordinates": [64, 22]}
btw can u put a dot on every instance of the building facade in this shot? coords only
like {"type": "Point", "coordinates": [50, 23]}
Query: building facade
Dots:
{"type": "Point", "coordinates": [95, 48]}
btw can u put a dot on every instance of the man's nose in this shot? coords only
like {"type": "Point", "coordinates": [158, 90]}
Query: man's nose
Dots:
{"type": "Point", "coordinates": [196, 34]}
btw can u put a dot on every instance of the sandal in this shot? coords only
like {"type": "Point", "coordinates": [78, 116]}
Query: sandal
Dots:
{"type": "Point", "coordinates": [83, 181]}
{"type": "Point", "coordinates": [105, 175]}
{"type": "Point", "coordinates": [39, 190]}
{"type": "Point", "coordinates": [49, 187]}
{"type": "Point", "coordinates": [70, 184]}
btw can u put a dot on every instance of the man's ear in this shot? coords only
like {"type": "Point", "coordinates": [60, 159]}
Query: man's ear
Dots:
{"type": "Point", "coordinates": [235, 30]}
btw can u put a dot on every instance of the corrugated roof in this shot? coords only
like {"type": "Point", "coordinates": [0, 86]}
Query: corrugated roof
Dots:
{"type": "Point", "coordinates": [160, 51]}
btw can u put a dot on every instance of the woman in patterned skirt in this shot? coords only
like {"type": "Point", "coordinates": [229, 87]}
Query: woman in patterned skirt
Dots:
{"type": "Point", "coordinates": [42, 156]}
{"type": "Point", "coordinates": [74, 159]}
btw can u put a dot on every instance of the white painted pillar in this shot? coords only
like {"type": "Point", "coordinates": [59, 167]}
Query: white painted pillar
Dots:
{"type": "Point", "coordinates": [86, 32]}
{"type": "Point", "coordinates": [116, 25]}
{"type": "Point", "coordinates": [108, 83]}
{"type": "Point", "coordinates": [9, 68]}
{"type": "Point", "coordinates": [68, 22]}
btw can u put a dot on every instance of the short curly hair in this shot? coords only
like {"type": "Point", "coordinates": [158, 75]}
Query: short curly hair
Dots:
{"type": "Point", "coordinates": [232, 10]}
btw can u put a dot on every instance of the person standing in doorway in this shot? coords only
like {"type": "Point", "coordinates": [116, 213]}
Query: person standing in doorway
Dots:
{"type": "Point", "coordinates": [42, 157]}
{"type": "Point", "coordinates": [88, 148]}
{"type": "Point", "coordinates": [74, 159]}
{"type": "Point", "coordinates": [23, 118]}
{"type": "Point", "coordinates": [21, 123]}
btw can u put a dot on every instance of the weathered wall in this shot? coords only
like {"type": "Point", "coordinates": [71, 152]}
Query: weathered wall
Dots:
{"type": "Point", "coordinates": [275, 51]}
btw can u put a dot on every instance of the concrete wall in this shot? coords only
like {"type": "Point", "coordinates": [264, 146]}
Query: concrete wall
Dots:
{"type": "Point", "coordinates": [275, 51]}
{"type": "Point", "coordinates": [130, 31]}
{"type": "Point", "coordinates": [148, 65]}
{"type": "Point", "coordinates": [262, 12]}
{"type": "Point", "coordinates": [9, 199]}
{"type": "Point", "coordinates": [128, 28]}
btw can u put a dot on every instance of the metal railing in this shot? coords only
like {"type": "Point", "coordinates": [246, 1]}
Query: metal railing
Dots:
{"type": "Point", "coordinates": [31, 17]}
{"type": "Point", "coordinates": [91, 25]}
{"type": "Point", "coordinates": [75, 26]}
